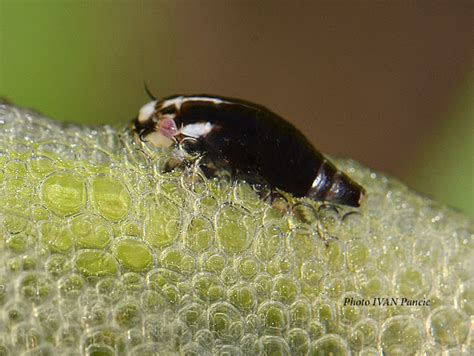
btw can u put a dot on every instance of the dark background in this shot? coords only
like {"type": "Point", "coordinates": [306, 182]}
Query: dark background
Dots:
{"type": "Point", "coordinates": [387, 83]}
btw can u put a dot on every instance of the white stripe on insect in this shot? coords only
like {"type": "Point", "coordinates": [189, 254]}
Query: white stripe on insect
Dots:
{"type": "Point", "coordinates": [205, 99]}
{"type": "Point", "coordinates": [178, 101]}
{"type": "Point", "coordinates": [146, 111]}
{"type": "Point", "coordinates": [196, 130]}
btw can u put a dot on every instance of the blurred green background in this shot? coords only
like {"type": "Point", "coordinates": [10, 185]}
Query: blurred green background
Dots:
{"type": "Point", "coordinates": [390, 84]}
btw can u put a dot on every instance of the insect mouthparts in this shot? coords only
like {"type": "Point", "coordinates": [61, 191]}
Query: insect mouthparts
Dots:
{"type": "Point", "coordinates": [251, 140]}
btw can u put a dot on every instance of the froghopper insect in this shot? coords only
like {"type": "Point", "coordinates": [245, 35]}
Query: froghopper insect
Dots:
{"type": "Point", "coordinates": [251, 140]}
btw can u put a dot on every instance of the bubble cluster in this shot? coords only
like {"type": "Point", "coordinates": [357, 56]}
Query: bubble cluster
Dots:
{"type": "Point", "coordinates": [102, 252]}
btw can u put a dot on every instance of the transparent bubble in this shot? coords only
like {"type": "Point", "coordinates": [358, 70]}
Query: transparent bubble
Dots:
{"type": "Point", "coordinates": [110, 290]}
{"type": "Point", "coordinates": [111, 198]}
{"type": "Point", "coordinates": [15, 312]}
{"type": "Point", "coordinates": [243, 297]}
{"type": "Point", "coordinates": [273, 345]}
{"type": "Point", "coordinates": [133, 283]}
{"type": "Point", "coordinates": [71, 286]}
{"type": "Point", "coordinates": [372, 282]}
{"type": "Point", "coordinates": [200, 234]}
{"type": "Point", "coordinates": [274, 317]}
{"type": "Point", "coordinates": [213, 261]}
{"type": "Point", "coordinates": [235, 229]}
{"type": "Point", "coordinates": [325, 314]}
{"type": "Point", "coordinates": [401, 332]}
{"type": "Point", "coordinates": [94, 314]}
{"type": "Point", "coordinates": [26, 336]}
{"type": "Point", "coordinates": [312, 273]}
{"type": "Point", "coordinates": [64, 194]}
{"type": "Point", "coordinates": [329, 220]}
{"type": "Point", "coordinates": [178, 260]}
{"type": "Point", "coordinates": [35, 288]}
{"type": "Point", "coordinates": [285, 289]}
{"type": "Point", "coordinates": [352, 307]}
{"type": "Point", "coordinates": [282, 264]}
{"type": "Point", "coordinates": [225, 322]}
{"type": "Point", "coordinates": [68, 335]}
{"type": "Point", "coordinates": [333, 286]}
{"type": "Point", "coordinates": [95, 263]}
{"type": "Point", "coordinates": [269, 241]}
{"type": "Point", "coordinates": [358, 254]}
{"type": "Point", "coordinates": [128, 313]}
{"type": "Point", "coordinates": [369, 351]}
{"type": "Point", "coordinates": [465, 297]}
{"type": "Point", "coordinates": [330, 345]}
{"type": "Point", "coordinates": [56, 150]}
{"type": "Point", "coordinates": [162, 224]}
{"type": "Point", "coordinates": [300, 314]}
{"type": "Point", "coordinates": [248, 266]}
{"type": "Point", "coordinates": [302, 243]}
{"type": "Point", "coordinates": [334, 255]}
{"type": "Point", "coordinates": [263, 285]}
{"type": "Point", "coordinates": [427, 251]}
{"type": "Point", "coordinates": [95, 156]}
{"type": "Point", "coordinates": [133, 255]}
{"type": "Point", "coordinates": [413, 282]}
{"type": "Point", "coordinates": [208, 287]}
{"type": "Point", "coordinates": [448, 326]}
{"type": "Point", "coordinates": [205, 338]}
{"type": "Point", "coordinates": [248, 197]}
{"type": "Point", "coordinates": [298, 341]}
{"type": "Point", "coordinates": [364, 334]}
{"type": "Point", "coordinates": [90, 231]}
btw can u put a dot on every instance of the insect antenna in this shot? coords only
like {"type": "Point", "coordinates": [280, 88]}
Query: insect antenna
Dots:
{"type": "Point", "coordinates": [148, 91]}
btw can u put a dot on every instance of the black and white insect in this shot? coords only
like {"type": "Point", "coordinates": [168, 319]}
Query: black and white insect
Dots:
{"type": "Point", "coordinates": [251, 140]}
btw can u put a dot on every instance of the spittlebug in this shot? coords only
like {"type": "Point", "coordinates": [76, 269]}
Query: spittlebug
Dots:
{"type": "Point", "coordinates": [251, 140]}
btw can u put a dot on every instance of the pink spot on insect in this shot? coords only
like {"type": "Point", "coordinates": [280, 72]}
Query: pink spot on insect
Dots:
{"type": "Point", "coordinates": [168, 127]}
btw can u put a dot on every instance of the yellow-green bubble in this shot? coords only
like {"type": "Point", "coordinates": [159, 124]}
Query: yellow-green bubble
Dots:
{"type": "Point", "coordinates": [133, 255]}
{"type": "Point", "coordinates": [16, 169]}
{"type": "Point", "coordinates": [208, 287]}
{"type": "Point", "coordinates": [41, 166]}
{"type": "Point", "coordinates": [64, 194]}
{"type": "Point", "coordinates": [56, 236]}
{"type": "Point", "coordinates": [90, 232]}
{"type": "Point", "coordinates": [200, 234]}
{"type": "Point", "coordinates": [14, 223]}
{"type": "Point", "coordinates": [111, 198]}
{"type": "Point", "coordinates": [330, 345]}
{"type": "Point", "coordinates": [178, 260]}
{"type": "Point", "coordinates": [162, 224]}
{"type": "Point", "coordinates": [213, 262]}
{"type": "Point", "coordinates": [235, 229]}
{"type": "Point", "coordinates": [95, 263]}
{"type": "Point", "coordinates": [286, 289]}
{"type": "Point", "coordinates": [18, 243]}
{"type": "Point", "coordinates": [243, 297]}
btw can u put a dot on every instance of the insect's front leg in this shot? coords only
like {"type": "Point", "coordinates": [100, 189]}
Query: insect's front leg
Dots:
{"type": "Point", "coordinates": [185, 153]}
{"type": "Point", "coordinates": [189, 154]}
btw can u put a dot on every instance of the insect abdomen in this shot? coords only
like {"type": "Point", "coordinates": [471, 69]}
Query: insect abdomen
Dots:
{"type": "Point", "coordinates": [255, 140]}
{"type": "Point", "coordinates": [333, 186]}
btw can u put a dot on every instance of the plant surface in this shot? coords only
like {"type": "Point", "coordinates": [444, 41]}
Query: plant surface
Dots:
{"type": "Point", "coordinates": [102, 253]}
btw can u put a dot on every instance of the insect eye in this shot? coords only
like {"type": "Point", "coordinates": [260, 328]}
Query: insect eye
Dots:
{"type": "Point", "coordinates": [169, 110]}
